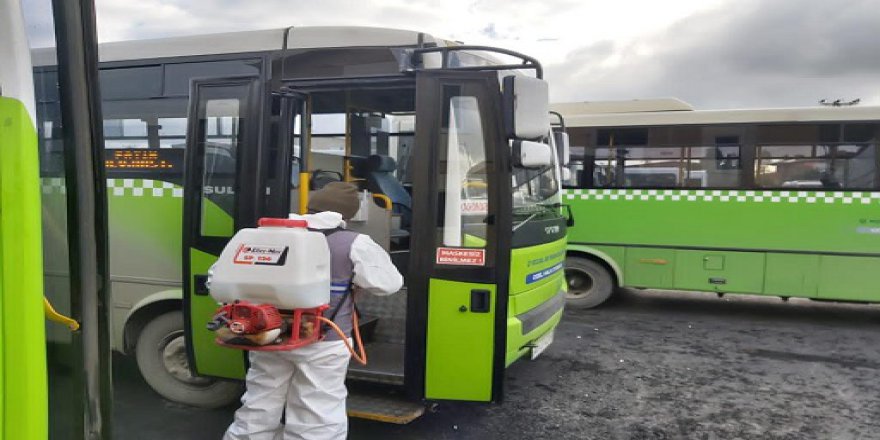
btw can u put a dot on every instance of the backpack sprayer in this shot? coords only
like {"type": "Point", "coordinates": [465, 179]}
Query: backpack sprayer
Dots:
{"type": "Point", "coordinates": [274, 283]}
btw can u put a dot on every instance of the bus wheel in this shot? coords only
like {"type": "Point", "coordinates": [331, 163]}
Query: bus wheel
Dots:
{"type": "Point", "coordinates": [589, 283]}
{"type": "Point", "coordinates": [161, 358]}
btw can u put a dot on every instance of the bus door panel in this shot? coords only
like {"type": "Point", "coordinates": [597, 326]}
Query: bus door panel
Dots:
{"type": "Point", "coordinates": [460, 255]}
{"type": "Point", "coordinates": [222, 145]}
{"type": "Point", "coordinates": [287, 155]}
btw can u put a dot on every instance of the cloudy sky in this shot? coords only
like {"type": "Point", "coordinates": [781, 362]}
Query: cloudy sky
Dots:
{"type": "Point", "coordinates": [711, 53]}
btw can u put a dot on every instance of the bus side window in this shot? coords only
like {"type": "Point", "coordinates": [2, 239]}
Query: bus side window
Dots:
{"type": "Point", "coordinates": [830, 166]}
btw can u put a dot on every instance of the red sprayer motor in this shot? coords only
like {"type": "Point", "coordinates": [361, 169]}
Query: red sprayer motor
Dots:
{"type": "Point", "coordinates": [262, 327]}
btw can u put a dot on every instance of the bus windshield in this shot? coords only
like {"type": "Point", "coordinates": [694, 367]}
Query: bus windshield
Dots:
{"type": "Point", "coordinates": [535, 188]}
{"type": "Point", "coordinates": [536, 192]}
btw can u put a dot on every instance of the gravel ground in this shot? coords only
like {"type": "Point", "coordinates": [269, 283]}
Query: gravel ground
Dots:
{"type": "Point", "coordinates": [652, 365]}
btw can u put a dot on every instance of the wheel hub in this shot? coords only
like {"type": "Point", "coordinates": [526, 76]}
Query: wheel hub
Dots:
{"type": "Point", "coordinates": [579, 283]}
{"type": "Point", "coordinates": [173, 353]}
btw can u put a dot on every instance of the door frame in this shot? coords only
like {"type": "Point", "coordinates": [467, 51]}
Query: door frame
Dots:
{"type": "Point", "coordinates": [430, 99]}
{"type": "Point", "coordinates": [248, 201]}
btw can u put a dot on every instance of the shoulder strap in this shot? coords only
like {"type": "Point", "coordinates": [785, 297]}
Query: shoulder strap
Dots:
{"type": "Point", "coordinates": [348, 292]}
{"type": "Point", "coordinates": [345, 297]}
{"type": "Point", "coordinates": [327, 232]}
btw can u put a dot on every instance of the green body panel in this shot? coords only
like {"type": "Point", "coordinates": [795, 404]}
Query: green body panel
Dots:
{"type": "Point", "coordinates": [536, 275]}
{"type": "Point", "coordinates": [718, 271]}
{"type": "Point", "coordinates": [215, 221]}
{"type": "Point", "coordinates": [144, 242]}
{"type": "Point", "coordinates": [650, 267]}
{"type": "Point", "coordinates": [146, 220]}
{"type": "Point", "coordinates": [460, 344]}
{"type": "Point", "coordinates": [849, 278]}
{"type": "Point", "coordinates": [147, 217]}
{"type": "Point", "coordinates": [23, 383]}
{"type": "Point", "coordinates": [759, 242]}
{"type": "Point", "coordinates": [210, 358]}
{"type": "Point", "coordinates": [792, 275]}
{"type": "Point", "coordinates": [547, 258]}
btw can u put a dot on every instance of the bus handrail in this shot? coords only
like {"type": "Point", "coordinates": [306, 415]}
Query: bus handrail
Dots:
{"type": "Point", "coordinates": [414, 59]}
{"type": "Point", "coordinates": [561, 123]}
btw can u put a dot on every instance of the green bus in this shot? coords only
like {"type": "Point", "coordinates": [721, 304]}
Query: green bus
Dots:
{"type": "Point", "coordinates": [206, 134]}
{"type": "Point", "coordinates": [781, 202]}
{"type": "Point", "coordinates": [54, 379]}
{"type": "Point", "coordinates": [23, 386]}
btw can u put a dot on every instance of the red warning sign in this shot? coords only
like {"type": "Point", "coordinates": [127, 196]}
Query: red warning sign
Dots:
{"type": "Point", "coordinates": [475, 206]}
{"type": "Point", "coordinates": [461, 257]}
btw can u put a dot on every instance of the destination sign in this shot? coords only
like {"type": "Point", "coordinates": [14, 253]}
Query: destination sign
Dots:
{"type": "Point", "coordinates": [141, 159]}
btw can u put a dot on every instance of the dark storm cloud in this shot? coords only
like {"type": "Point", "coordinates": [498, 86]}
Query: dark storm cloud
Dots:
{"type": "Point", "coordinates": [745, 54]}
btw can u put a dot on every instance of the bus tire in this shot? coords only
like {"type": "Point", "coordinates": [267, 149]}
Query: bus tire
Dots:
{"type": "Point", "coordinates": [162, 361]}
{"type": "Point", "coordinates": [589, 283]}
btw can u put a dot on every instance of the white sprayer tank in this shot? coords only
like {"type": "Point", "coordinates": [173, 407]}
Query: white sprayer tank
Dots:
{"type": "Point", "coordinates": [280, 263]}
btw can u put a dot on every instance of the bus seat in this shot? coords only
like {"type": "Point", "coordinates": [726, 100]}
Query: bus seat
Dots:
{"type": "Point", "coordinates": [381, 180]}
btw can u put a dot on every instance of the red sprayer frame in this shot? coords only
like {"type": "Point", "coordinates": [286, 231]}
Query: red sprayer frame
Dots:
{"type": "Point", "coordinates": [292, 339]}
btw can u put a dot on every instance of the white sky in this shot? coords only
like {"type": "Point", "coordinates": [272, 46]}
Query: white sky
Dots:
{"type": "Point", "coordinates": [712, 53]}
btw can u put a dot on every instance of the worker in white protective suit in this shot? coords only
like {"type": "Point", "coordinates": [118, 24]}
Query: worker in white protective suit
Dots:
{"type": "Point", "coordinates": [307, 385]}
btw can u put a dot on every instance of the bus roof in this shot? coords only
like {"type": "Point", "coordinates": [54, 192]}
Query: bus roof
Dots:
{"type": "Point", "coordinates": [251, 41]}
{"type": "Point", "coordinates": [675, 112]}
{"type": "Point", "coordinates": [628, 106]}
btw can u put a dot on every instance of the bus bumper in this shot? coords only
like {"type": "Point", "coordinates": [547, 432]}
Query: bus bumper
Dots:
{"type": "Point", "coordinates": [524, 329]}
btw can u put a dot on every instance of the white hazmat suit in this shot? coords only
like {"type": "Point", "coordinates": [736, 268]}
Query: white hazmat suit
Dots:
{"type": "Point", "coordinates": [307, 384]}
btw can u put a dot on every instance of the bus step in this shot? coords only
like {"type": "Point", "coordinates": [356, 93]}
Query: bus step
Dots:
{"type": "Point", "coordinates": [386, 409]}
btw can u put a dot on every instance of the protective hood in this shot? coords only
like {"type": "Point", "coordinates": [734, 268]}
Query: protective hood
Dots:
{"type": "Point", "coordinates": [321, 220]}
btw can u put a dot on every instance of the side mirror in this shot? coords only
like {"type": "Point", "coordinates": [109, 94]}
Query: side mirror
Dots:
{"type": "Point", "coordinates": [528, 154]}
{"type": "Point", "coordinates": [560, 138]}
{"type": "Point", "coordinates": [526, 104]}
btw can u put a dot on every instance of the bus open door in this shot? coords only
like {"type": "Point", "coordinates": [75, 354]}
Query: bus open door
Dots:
{"type": "Point", "coordinates": [461, 256]}
{"type": "Point", "coordinates": [445, 336]}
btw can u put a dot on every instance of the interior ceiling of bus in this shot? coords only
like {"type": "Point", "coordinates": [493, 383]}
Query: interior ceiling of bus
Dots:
{"type": "Point", "coordinates": [379, 100]}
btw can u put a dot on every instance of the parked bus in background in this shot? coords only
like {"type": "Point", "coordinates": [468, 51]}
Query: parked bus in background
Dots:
{"type": "Point", "coordinates": [264, 116]}
{"type": "Point", "coordinates": [782, 202]}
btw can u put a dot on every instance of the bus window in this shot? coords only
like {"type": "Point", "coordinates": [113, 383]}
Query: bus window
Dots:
{"type": "Point", "coordinates": [178, 75]}
{"type": "Point", "coordinates": [861, 133]}
{"type": "Point", "coordinates": [604, 167]}
{"type": "Point", "coordinates": [125, 133]}
{"type": "Point", "coordinates": [653, 167]}
{"type": "Point", "coordinates": [131, 82]}
{"type": "Point", "coordinates": [856, 165]}
{"type": "Point", "coordinates": [221, 119]}
{"type": "Point", "coordinates": [834, 166]}
{"type": "Point", "coordinates": [172, 132]}
{"type": "Point", "coordinates": [145, 123]}
{"type": "Point", "coordinates": [465, 178]}
{"type": "Point", "coordinates": [714, 167]}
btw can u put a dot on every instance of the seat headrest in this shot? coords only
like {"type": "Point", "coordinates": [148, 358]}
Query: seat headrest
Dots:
{"type": "Point", "coordinates": [380, 163]}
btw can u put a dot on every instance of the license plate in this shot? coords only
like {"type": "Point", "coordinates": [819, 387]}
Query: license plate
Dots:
{"type": "Point", "coordinates": [541, 344]}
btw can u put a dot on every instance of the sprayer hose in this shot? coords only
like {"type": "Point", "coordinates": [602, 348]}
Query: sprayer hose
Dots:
{"type": "Point", "coordinates": [362, 358]}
